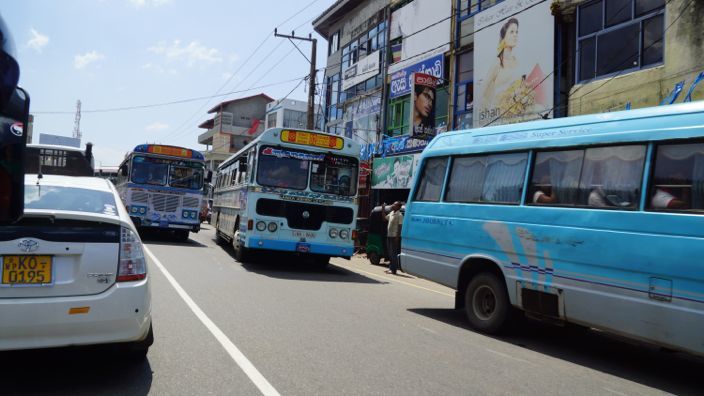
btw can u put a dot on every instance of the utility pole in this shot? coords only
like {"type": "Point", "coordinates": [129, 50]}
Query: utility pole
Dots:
{"type": "Point", "coordinates": [311, 78]}
{"type": "Point", "coordinates": [77, 121]}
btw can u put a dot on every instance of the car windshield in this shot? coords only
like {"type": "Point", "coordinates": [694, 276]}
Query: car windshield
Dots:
{"type": "Point", "coordinates": [147, 170]}
{"type": "Point", "coordinates": [284, 168]}
{"type": "Point", "coordinates": [69, 198]}
{"type": "Point", "coordinates": [186, 175]}
{"type": "Point", "coordinates": [334, 174]}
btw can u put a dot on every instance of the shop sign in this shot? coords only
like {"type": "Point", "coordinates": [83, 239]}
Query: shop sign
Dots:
{"type": "Point", "coordinates": [401, 80]}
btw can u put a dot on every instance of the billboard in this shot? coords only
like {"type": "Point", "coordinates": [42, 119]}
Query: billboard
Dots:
{"type": "Point", "coordinates": [513, 61]}
{"type": "Point", "coordinates": [423, 105]}
{"type": "Point", "coordinates": [401, 80]}
{"type": "Point", "coordinates": [361, 71]}
{"type": "Point", "coordinates": [393, 172]}
{"type": "Point", "coordinates": [423, 25]}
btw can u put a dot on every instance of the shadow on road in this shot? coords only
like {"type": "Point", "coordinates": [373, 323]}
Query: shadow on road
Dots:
{"type": "Point", "coordinates": [288, 266]}
{"type": "Point", "coordinates": [672, 372]}
{"type": "Point", "coordinates": [72, 371]}
{"type": "Point", "coordinates": [167, 239]}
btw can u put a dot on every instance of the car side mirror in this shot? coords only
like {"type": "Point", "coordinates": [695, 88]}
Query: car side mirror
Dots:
{"type": "Point", "coordinates": [14, 121]}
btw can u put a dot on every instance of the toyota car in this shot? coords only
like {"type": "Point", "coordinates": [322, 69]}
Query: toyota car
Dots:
{"type": "Point", "coordinates": [73, 270]}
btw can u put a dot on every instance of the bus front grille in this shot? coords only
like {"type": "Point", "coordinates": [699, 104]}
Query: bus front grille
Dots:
{"type": "Point", "coordinates": [165, 202]}
{"type": "Point", "coordinates": [304, 216]}
{"type": "Point", "coordinates": [140, 197]}
{"type": "Point", "coordinates": [190, 202]}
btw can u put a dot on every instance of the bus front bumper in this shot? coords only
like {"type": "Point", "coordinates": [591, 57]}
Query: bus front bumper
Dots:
{"type": "Point", "coordinates": [300, 247]}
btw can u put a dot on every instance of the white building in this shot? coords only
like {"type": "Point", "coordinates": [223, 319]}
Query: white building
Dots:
{"type": "Point", "coordinates": [288, 113]}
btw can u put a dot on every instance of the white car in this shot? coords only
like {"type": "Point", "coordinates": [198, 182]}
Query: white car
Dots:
{"type": "Point", "coordinates": [73, 270]}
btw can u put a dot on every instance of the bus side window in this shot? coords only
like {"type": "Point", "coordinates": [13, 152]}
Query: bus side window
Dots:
{"type": "Point", "coordinates": [612, 176]}
{"type": "Point", "coordinates": [555, 178]}
{"type": "Point", "coordinates": [431, 180]}
{"type": "Point", "coordinates": [678, 179]}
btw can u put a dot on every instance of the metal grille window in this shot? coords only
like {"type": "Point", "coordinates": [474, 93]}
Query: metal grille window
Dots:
{"type": "Point", "coordinates": [618, 35]}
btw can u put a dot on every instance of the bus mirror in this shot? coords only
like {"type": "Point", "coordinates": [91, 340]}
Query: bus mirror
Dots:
{"type": "Point", "coordinates": [209, 176]}
{"type": "Point", "coordinates": [123, 170]}
{"type": "Point", "coordinates": [242, 166]}
{"type": "Point", "coordinates": [14, 119]}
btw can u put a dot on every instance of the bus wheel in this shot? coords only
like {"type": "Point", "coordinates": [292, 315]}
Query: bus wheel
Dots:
{"type": "Point", "coordinates": [486, 303]}
{"type": "Point", "coordinates": [241, 253]}
{"type": "Point", "coordinates": [374, 258]}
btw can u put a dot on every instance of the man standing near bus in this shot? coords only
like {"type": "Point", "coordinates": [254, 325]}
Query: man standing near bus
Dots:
{"type": "Point", "coordinates": [393, 234]}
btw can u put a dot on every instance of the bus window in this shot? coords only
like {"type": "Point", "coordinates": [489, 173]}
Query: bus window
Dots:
{"type": "Point", "coordinates": [611, 176]}
{"type": "Point", "coordinates": [466, 179]}
{"type": "Point", "coordinates": [186, 177]}
{"type": "Point", "coordinates": [555, 177]}
{"type": "Point", "coordinates": [334, 175]}
{"type": "Point", "coordinates": [678, 180]}
{"type": "Point", "coordinates": [504, 178]}
{"type": "Point", "coordinates": [431, 179]}
{"type": "Point", "coordinates": [147, 170]}
{"type": "Point", "coordinates": [283, 168]}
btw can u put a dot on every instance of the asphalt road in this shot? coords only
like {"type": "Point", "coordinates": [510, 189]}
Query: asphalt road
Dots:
{"type": "Point", "coordinates": [284, 326]}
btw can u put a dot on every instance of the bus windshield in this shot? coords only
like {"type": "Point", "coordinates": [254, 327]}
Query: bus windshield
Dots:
{"type": "Point", "coordinates": [334, 174]}
{"type": "Point", "coordinates": [284, 168]}
{"type": "Point", "coordinates": [159, 172]}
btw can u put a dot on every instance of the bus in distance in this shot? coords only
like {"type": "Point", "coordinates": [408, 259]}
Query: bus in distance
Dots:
{"type": "Point", "coordinates": [594, 220]}
{"type": "Point", "coordinates": [162, 187]}
{"type": "Point", "coordinates": [290, 191]}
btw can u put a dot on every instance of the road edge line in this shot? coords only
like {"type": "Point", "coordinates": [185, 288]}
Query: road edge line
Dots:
{"type": "Point", "coordinates": [252, 373]}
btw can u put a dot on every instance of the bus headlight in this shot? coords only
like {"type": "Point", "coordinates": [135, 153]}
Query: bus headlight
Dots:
{"type": "Point", "coordinates": [332, 233]}
{"type": "Point", "coordinates": [143, 210]}
{"type": "Point", "coordinates": [344, 234]}
{"type": "Point", "coordinates": [261, 226]}
{"type": "Point", "coordinates": [272, 227]}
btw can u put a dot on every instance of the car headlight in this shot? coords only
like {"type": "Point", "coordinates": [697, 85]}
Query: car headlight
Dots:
{"type": "Point", "coordinates": [344, 234]}
{"type": "Point", "coordinates": [261, 226]}
{"type": "Point", "coordinates": [272, 227]}
{"type": "Point", "coordinates": [333, 233]}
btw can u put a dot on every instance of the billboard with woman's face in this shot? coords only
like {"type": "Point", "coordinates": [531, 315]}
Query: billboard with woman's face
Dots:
{"type": "Point", "coordinates": [513, 58]}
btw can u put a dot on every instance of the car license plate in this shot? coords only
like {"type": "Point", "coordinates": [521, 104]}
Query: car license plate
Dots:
{"type": "Point", "coordinates": [26, 270]}
{"type": "Point", "coordinates": [303, 247]}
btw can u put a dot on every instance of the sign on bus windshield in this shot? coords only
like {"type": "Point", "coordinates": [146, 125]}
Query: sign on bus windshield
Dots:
{"type": "Point", "coordinates": [312, 139]}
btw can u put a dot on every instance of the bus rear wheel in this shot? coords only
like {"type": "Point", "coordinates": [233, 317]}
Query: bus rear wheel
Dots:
{"type": "Point", "coordinates": [486, 303]}
{"type": "Point", "coordinates": [241, 252]}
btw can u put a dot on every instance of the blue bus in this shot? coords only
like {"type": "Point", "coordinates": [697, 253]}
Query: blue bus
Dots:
{"type": "Point", "coordinates": [595, 220]}
{"type": "Point", "coordinates": [162, 187]}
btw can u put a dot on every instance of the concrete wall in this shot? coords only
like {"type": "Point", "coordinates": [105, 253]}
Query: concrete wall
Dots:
{"type": "Point", "coordinates": [683, 60]}
{"type": "Point", "coordinates": [246, 111]}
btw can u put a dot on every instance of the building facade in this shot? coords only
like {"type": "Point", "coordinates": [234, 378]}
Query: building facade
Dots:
{"type": "Point", "coordinates": [287, 113]}
{"type": "Point", "coordinates": [234, 123]}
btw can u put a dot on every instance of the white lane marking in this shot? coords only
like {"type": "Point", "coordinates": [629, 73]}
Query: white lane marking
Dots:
{"type": "Point", "coordinates": [509, 356]}
{"type": "Point", "coordinates": [254, 375]}
{"type": "Point", "coordinates": [396, 280]}
{"type": "Point", "coordinates": [615, 392]}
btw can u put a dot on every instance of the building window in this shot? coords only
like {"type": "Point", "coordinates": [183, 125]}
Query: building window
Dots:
{"type": "Point", "coordinates": [618, 35]}
{"type": "Point", "coordinates": [271, 121]}
{"type": "Point", "coordinates": [470, 7]}
{"type": "Point", "coordinates": [399, 116]}
{"type": "Point", "coordinates": [334, 43]}
{"type": "Point", "coordinates": [294, 119]}
{"type": "Point", "coordinates": [464, 91]}
{"type": "Point", "coordinates": [332, 98]}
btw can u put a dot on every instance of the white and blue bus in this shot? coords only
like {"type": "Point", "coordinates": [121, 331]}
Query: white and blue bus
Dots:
{"type": "Point", "coordinates": [596, 220]}
{"type": "Point", "coordinates": [162, 187]}
{"type": "Point", "coordinates": [291, 191]}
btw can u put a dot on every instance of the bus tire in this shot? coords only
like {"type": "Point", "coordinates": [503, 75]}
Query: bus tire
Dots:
{"type": "Point", "coordinates": [486, 303]}
{"type": "Point", "coordinates": [241, 252]}
{"type": "Point", "coordinates": [374, 258]}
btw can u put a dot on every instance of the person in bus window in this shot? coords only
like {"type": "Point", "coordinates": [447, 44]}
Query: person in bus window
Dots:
{"type": "Point", "coordinates": [544, 194]}
{"type": "Point", "coordinates": [664, 198]}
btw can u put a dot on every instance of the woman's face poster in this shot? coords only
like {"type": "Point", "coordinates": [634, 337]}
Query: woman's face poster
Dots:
{"type": "Point", "coordinates": [513, 58]}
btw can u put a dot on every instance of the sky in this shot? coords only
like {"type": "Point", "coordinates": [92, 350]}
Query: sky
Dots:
{"type": "Point", "coordinates": [115, 54]}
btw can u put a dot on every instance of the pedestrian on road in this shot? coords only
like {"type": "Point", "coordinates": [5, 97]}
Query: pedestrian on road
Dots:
{"type": "Point", "coordinates": [393, 235]}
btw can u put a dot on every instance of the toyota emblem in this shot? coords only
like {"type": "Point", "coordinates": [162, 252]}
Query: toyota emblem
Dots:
{"type": "Point", "coordinates": [305, 214]}
{"type": "Point", "coordinates": [28, 245]}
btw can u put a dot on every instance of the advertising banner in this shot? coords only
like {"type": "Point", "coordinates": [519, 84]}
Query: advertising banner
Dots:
{"type": "Point", "coordinates": [401, 80]}
{"type": "Point", "coordinates": [393, 172]}
{"type": "Point", "coordinates": [513, 61]}
{"type": "Point", "coordinates": [361, 71]}
{"type": "Point", "coordinates": [422, 25]}
{"type": "Point", "coordinates": [423, 105]}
